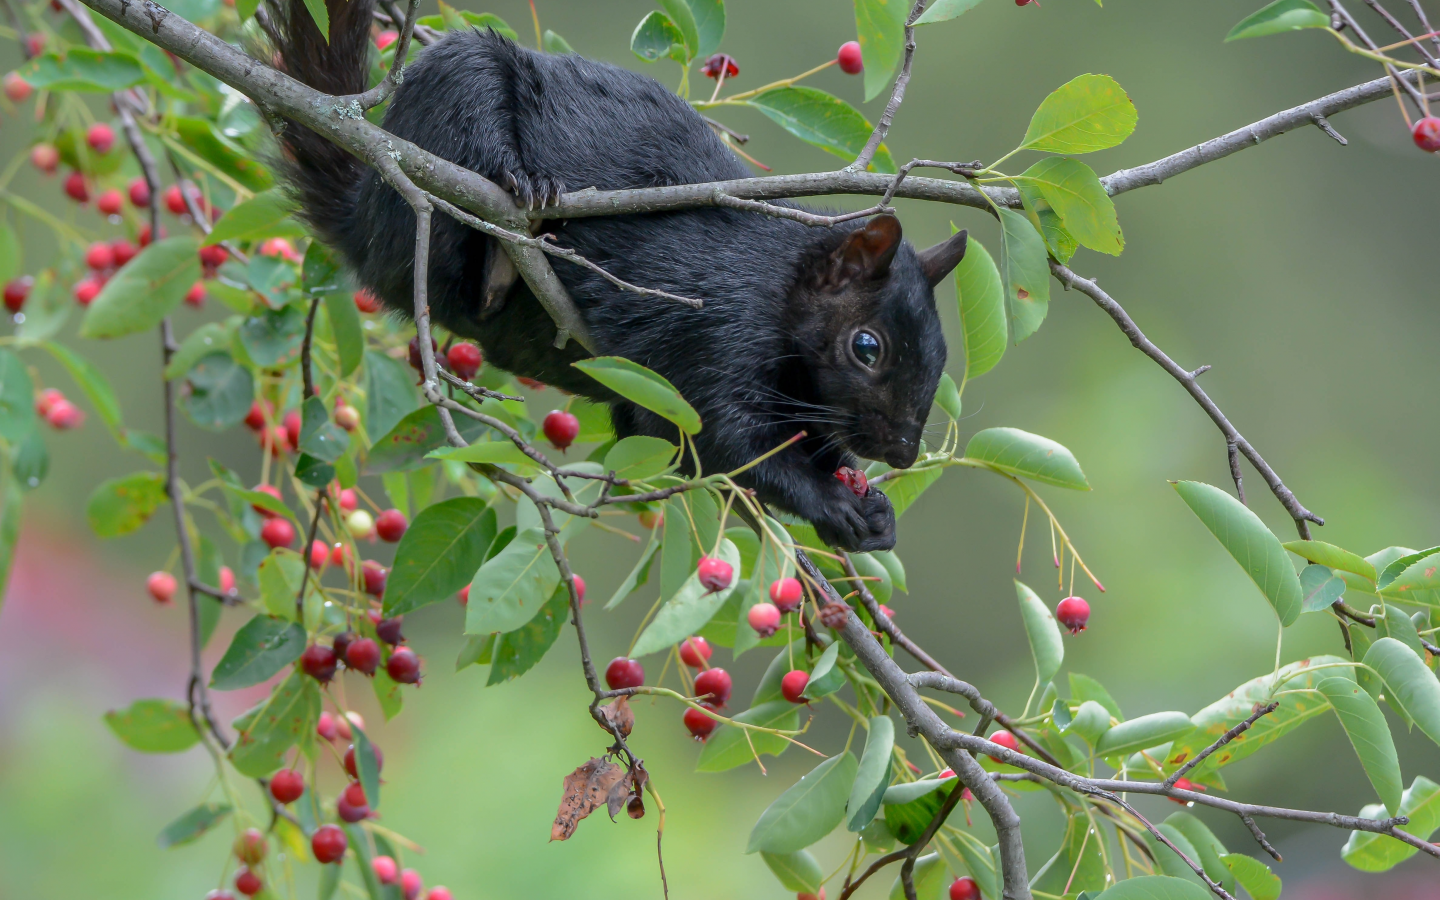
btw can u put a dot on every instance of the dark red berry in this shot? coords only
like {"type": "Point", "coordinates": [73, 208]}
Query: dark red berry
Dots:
{"type": "Point", "coordinates": [386, 869]}
{"type": "Point", "coordinates": [100, 256]}
{"type": "Point", "coordinates": [1427, 134]}
{"type": "Point", "coordinates": [698, 723]}
{"type": "Point", "coordinates": [1185, 784]}
{"type": "Point", "coordinates": [388, 630]}
{"type": "Point", "coordinates": [213, 256]}
{"type": "Point", "coordinates": [341, 644]}
{"type": "Point", "coordinates": [624, 673]}
{"type": "Point", "coordinates": [410, 884]}
{"type": "Point", "coordinates": [110, 202]}
{"type": "Point", "coordinates": [17, 291]}
{"type": "Point", "coordinates": [363, 655]}
{"type": "Point", "coordinates": [350, 806]}
{"type": "Point", "coordinates": [76, 189]}
{"type": "Point", "coordinates": [248, 883]}
{"type": "Point", "coordinates": [174, 200]}
{"type": "Point", "coordinates": [1073, 613]}
{"type": "Point", "coordinates": [561, 428]}
{"type": "Point", "coordinates": [124, 251]}
{"type": "Point", "coordinates": [375, 576]}
{"type": "Point", "coordinates": [465, 359]}
{"type": "Point", "coordinates": [713, 686]}
{"type": "Point", "coordinates": [328, 843]}
{"type": "Point", "coordinates": [720, 62]}
{"type": "Point", "coordinates": [850, 58]}
{"type": "Point", "coordinates": [390, 525]}
{"type": "Point", "coordinates": [964, 889]}
{"type": "Point", "coordinates": [139, 191]}
{"type": "Point", "coordinates": [694, 651]}
{"type": "Point", "coordinates": [318, 661]}
{"type": "Point", "coordinates": [278, 532]}
{"type": "Point", "coordinates": [415, 362]}
{"type": "Point", "coordinates": [793, 685]}
{"type": "Point", "coordinates": [403, 666]}
{"type": "Point", "coordinates": [287, 785]}
{"type": "Point", "coordinates": [350, 760]}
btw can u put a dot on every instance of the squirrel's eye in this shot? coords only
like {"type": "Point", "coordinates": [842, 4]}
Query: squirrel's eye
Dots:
{"type": "Point", "coordinates": [866, 347]}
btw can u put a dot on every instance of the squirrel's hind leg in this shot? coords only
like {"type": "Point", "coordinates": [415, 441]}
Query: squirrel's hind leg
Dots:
{"type": "Point", "coordinates": [500, 275]}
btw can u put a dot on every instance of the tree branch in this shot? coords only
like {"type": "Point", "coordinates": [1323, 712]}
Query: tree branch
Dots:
{"type": "Point", "coordinates": [897, 94]}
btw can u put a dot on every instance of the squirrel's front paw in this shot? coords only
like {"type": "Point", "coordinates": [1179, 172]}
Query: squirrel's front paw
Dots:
{"type": "Point", "coordinates": [533, 191]}
{"type": "Point", "coordinates": [861, 525]}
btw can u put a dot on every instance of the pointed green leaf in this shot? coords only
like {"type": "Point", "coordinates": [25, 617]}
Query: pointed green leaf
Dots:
{"type": "Point", "coordinates": [510, 588]}
{"type": "Point", "coordinates": [639, 457]}
{"type": "Point", "coordinates": [266, 732]}
{"type": "Point", "coordinates": [252, 218]}
{"type": "Point", "coordinates": [17, 398]}
{"type": "Point", "coordinates": [439, 553]}
{"type": "Point", "coordinates": [826, 678]}
{"type": "Point", "coordinates": [1083, 687]}
{"type": "Point", "coordinates": [823, 120]}
{"type": "Point", "coordinates": [406, 445]}
{"type": "Point", "coordinates": [262, 647]}
{"type": "Point", "coordinates": [145, 290]}
{"type": "Point", "coordinates": [1085, 114]}
{"type": "Point", "coordinates": [1046, 646]}
{"type": "Point", "coordinates": [320, 437]}
{"type": "Point", "coordinates": [947, 397]}
{"type": "Point", "coordinates": [556, 44]}
{"type": "Point", "coordinates": [796, 871]}
{"type": "Point", "coordinates": [192, 824]}
{"type": "Point", "coordinates": [1027, 455]}
{"type": "Point", "coordinates": [80, 69]}
{"type": "Point", "coordinates": [808, 810]}
{"type": "Point", "coordinates": [981, 295]}
{"type": "Point", "coordinates": [516, 652]}
{"type": "Point", "coordinates": [1416, 581]}
{"type": "Point", "coordinates": [1369, 734]}
{"type": "Point", "coordinates": [1143, 733]}
{"type": "Point", "coordinates": [945, 10]}
{"type": "Point", "coordinates": [1411, 684]}
{"type": "Point", "coordinates": [1074, 191]}
{"type": "Point", "coordinates": [1371, 852]}
{"type": "Point", "coordinates": [873, 777]}
{"type": "Point", "coordinates": [639, 574]}
{"type": "Point", "coordinates": [1155, 887]}
{"type": "Point", "coordinates": [389, 393]}
{"type": "Point", "coordinates": [121, 505]}
{"type": "Point", "coordinates": [1395, 624]}
{"type": "Point", "coordinates": [93, 382]}
{"type": "Point", "coordinates": [688, 611]}
{"type": "Point", "coordinates": [1319, 588]}
{"type": "Point", "coordinates": [880, 27]}
{"type": "Point", "coordinates": [709, 16]}
{"type": "Point", "coordinates": [906, 486]}
{"type": "Point", "coordinates": [1282, 15]}
{"type": "Point", "coordinates": [657, 37]}
{"type": "Point", "coordinates": [1333, 557]}
{"type": "Point", "coordinates": [154, 726]}
{"type": "Point", "coordinates": [639, 385]}
{"type": "Point", "coordinates": [1254, 876]}
{"type": "Point", "coordinates": [218, 392]}
{"type": "Point", "coordinates": [1024, 274]}
{"type": "Point", "coordinates": [729, 746]}
{"type": "Point", "coordinates": [1078, 865]}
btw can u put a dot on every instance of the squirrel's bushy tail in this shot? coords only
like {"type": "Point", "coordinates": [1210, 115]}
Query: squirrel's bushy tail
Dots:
{"type": "Point", "coordinates": [324, 177]}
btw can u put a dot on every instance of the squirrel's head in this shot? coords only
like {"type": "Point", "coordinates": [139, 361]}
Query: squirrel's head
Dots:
{"type": "Point", "coordinates": [865, 321]}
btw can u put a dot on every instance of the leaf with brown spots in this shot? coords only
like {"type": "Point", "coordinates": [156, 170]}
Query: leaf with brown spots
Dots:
{"type": "Point", "coordinates": [620, 716]}
{"type": "Point", "coordinates": [589, 787]}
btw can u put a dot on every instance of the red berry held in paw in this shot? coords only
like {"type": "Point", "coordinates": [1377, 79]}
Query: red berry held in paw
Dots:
{"type": "Point", "coordinates": [17, 291]}
{"type": "Point", "coordinates": [248, 883]}
{"type": "Point", "coordinates": [76, 189]}
{"type": "Point", "coordinates": [1427, 134]}
{"type": "Point", "coordinates": [110, 202]}
{"type": "Point", "coordinates": [793, 685]}
{"type": "Point", "coordinates": [100, 137]}
{"type": "Point", "coordinates": [139, 191]}
{"type": "Point", "coordinates": [403, 666]}
{"type": "Point", "coordinates": [350, 806]}
{"type": "Point", "coordinates": [318, 661]}
{"type": "Point", "coordinates": [391, 525]}
{"type": "Point", "coordinates": [410, 884]}
{"type": "Point", "coordinates": [714, 574]}
{"type": "Point", "coordinates": [277, 532]}
{"type": "Point", "coordinates": [720, 62]}
{"type": "Point", "coordinates": [386, 869]}
{"type": "Point", "coordinates": [363, 655]}
{"type": "Point", "coordinates": [699, 724]}
{"type": "Point", "coordinates": [624, 673]}
{"type": "Point", "coordinates": [850, 58]}
{"type": "Point", "coordinates": [465, 359]}
{"type": "Point", "coordinates": [161, 586]}
{"type": "Point", "coordinates": [286, 786]}
{"type": "Point", "coordinates": [694, 651]}
{"type": "Point", "coordinates": [964, 889]}
{"type": "Point", "coordinates": [328, 843]}
{"type": "Point", "coordinates": [561, 428]}
{"type": "Point", "coordinates": [854, 479]}
{"type": "Point", "coordinates": [250, 846]}
{"type": "Point", "coordinates": [1006, 740]}
{"type": "Point", "coordinates": [787, 594]}
{"type": "Point", "coordinates": [713, 686]}
{"type": "Point", "coordinates": [1073, 613]}
{"type": "Point", "coordinates": [764, 618]}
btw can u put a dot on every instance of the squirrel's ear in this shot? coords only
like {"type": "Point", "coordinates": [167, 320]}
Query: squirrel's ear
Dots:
{"type": "Point", "coordinates": [867, 252]}
{"type": "Point", "coordinates": [937, 261]}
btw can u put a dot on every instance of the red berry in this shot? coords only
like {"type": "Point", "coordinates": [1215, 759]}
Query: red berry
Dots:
{"type": "Point", "coordinates": [624, 673]}
{"type": "Point", "coordinates": [713, 686]}
{"type": "Point", "coordinates": [439, 892]}
{"type": "Point", "coordinates": [386, 869]}
{"type": "Point", "coordinates": [227, 579]}
{"type": "Point", "coordinates": [139, 191]}
{"type": "Point", "coordinates": [698, 723]}
{"type": "Point", "coordinates": [854, 479]}
{"type": "Point", "coordinates": [388, 630]}
{"type": "Point", "coordinates": [694, 651]}
{"type": "Point", "coordinates": [76, 189]}
{"type": "Point", "coordinates": [124, 250]}
{"type": "Point", "coordinates": [416, 362]}
{"type": "Point", "coordinates": [350, 806]}
{"type": "Point", "coordinates": [347, 416]}
{"type": "Point", "coordinates": [465, 360]}
{"type": "Point", "coordinates": [319, 555]}
{"type": "Point", "coordinates": [278, 246]}
{"type": "Point", "coordinates": [714, 574]}
{"type": "Point", "coordinates": [850, 58]}
{"type": "Point", "coordinates": [720, 62]}
{"type": "Point", "coordinates": [100, 256]}
{"type": "Point", "coordinates": [174, 200]}
{"type": "Point", "coordinates": [268, 489]}
{"type": "Point", "coordinates": [386, 38]}
{"type": "Point", "coordinates": [350, 759]}
{"type": "Point", "coordinates": [214, 256]}
{"type": "Point", "coordinates": [1073, 613]}
{"type": "Point", "coordinates": [34, 43]}
{"type": "Point", "coordinates": [804, 896]}
{"type": "Point", "coordinates": [787, 594]}
{"type": "Point", "coordinates": [964, 889]}
{"type": "Point", "coordinates": [348, 500]}
{"type": "Point", "coordinates": [1427, 134]}
{"type": "Point", "coordinates": [561, 428]}
{"type": "Point", "coordinates": [946, 773]}
{"type": "Point", "coordinates": [318, 661]}
{"type": "Point", "coordinates": [145, 236]}
{"type": "Point", "coordinates": [277, 532]}
{"type": "Point", "coordinates": [363, 655]}
{"type": "Point", "coordinates": [792, 686]}
{"type": "Point", "coordinates": [17, 88]}
{"type": "Point", "coordinates": [1185, 784]}
{"type": "Point", "coordinates": [1022, 2]}
{"type": "Point", "coordinates": [100, 137]}
{"type": "Point", "coordinates": [218, 893]}
{"type": "Point", "coordinates": [375, 576]}
{"type": "Point", "coordinates": [579, 589]}
{"type": "Point", "coordinates": [48, 398]}
{"type": "Point", "coordinates": [366, 302]}
{"type": "Point", "coordinates": [110, 202]}
{"type": "Point", "coordinates": [250, 846]}
{"type": "Point", "coordinates": [410, 884]}
{"type": "Point", "coordinates": [17, 291]}
{"type": "Point", "coordinates": [45, 158]}
{"type": "Point", "coordinates": [764, 618]}
{"type": "Point", "coordinates": [248, 883]}
{"type": "Point", "coordinates": [391, 525]}
{"type": "Point", "coordinates": [328, 843]}
{"type": "Point", "coordinates": [403, 666]}
{"type": "Point", "coordinates": [64, 415]}
{"type": "Point", "coordinates": [1006, 740]}
{"type": "Point", "coordinates": [887, 611]}
{"type": "Point", "coordinates": [652, 519]}
{"type": "Point", "coordinates": [287, 785]}
{"type": "Point", "coordinates": [87, 290]}
{"type": "Point", "coordinates": [325, 727]}
{"type": "Point", "coordinates": [292, 423]}
{"type": "Point", "coordinates": [161, 586]}
{"type": "Point", "coordinates": [463, 595]}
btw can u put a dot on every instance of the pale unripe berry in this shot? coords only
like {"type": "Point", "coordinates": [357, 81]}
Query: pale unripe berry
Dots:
{"type": "Point", "coordinates": [764, 618]}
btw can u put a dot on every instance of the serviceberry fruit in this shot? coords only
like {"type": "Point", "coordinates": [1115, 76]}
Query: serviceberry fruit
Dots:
{"type": "Point", "coordinates": [286, 786]}
{"type": "Point", "coordinates": [465, 359]}
{"type": "Point", "coordinates": [139, 191]}
{"type": "Point", "coordinates": [349, 760]}
{"type": "Point", "coordinates": [248, 883]}
{"type": "Point", "coordinates": [694, 651]}
{"type": "Point", "coordinates": [699, 724]}
{"type": "Point", "coordinates": [124, 250]}
{"type": "Point", "coordinates": [359, 523]}
{"type": "Point", "coordinates": [714, 574]}
{"type": "Point", "coordinates": [1006, 740]}
{"type": "Point", "coordinates": [110, 202]}
{"type": "Point", "coordinates": [713, 686]}
{"type": "Point", "coordinates": [17, 291]}
{"type": "Point", "coordinates": [787, 594]}
{"type": "Point", "coordinates": [854, 479]}
{"type": "Point", "coordinates": [624, 673]}
{"type": "Point", "coordinates": [1427, 134]}
{"type": "Point", "coordinates": [100, 137]}
{"type": "Point", "coordinates": [329, 843]}
{"type": "Point", "coordinates": [561, 428]}
{"type": "Point", "coordinates": [793, 685]}
{"type": "Point", "coordinates": [350, 806]}
{"type": "Point", "coordinates": [964, 889]}
{"type": "Point", "coordinates": [161, 586]}
{"type": "Point", "coordinates": [45, 158]}
{"type": "Point", "coordinates": [250, 846]}
{"type": "Point", "coordinates": [764, 618]}
{"type": "Point", "coordinates": [850, 58]}
{"type": "Point", "coordinates": [17, 88]}
{"type": "Point", "coordinates": [363, 655]}
{"type": "Point", "coordinates": [403, 666]}
{"type": "Point", "coordinates": [277, 532]}
{"type": "Point", "coordinates": [388, 630]}
{"type": "Point", "coordinates": [374, 576]}
{"type": "Point", "coordinates": [1073, 613]}
{"type": "Point", "coordinates": [410, 884]}
{"type": "Point", "coordinates": [386, 869]}
{"type": "Point", "coordinates": [318, 661]}
{"type": "Point", "coordinates": [391, 525]}
{"type": "Point", "coordinates": [720, 62]}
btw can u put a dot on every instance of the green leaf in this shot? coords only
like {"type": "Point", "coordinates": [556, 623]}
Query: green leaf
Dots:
{"type": "Point", "coordinates": [825, 678]}
{"type": "Point", "coordinates": [907, 486]}
{"type": "Point", "coordinates": [31, 461]}
{"type": "Point", "coordinates": [1027, 455]}
{"type": "Point", "coordinates": [516, 652]}
{"type": "Point", "coordinates": [688, 611]}
{"type": "Point", "coordinates": [1083, 687]}
{"type": "Point", "coordinates": [808, 810]}
{"type": "Point", "coordinates": [945, 10]}
{"type": "Point", "coordinates": [656, 37]}
{"type": "Point", "coordinates": [220, 392]}
{"type": "Point", "coordinates": [1074, 191]}
{"type": "Point", "coordinates": [981, 297]}
{"type": "Point", "coordinates": [680, 14]}
{"type": "Point", "coordinates": [873, 776]}
{"type": "Point", "coordinates": [928, 877]}
{"type": "Point", "coordinates": [1083, 115]}
{"type": "Point", "coordinates": [367, 766]}
{"type": "Point", "coordinates": [488, 20]}
{"type": "Point", "coordinates": [192, 825]}
{"type": "Point", "coordinates": [880, 27]}
{"type": "Point", "coordinates": [823, 120]}
{"type": "Point", "coordinates": [501, 451]}
{"type": "Point", "coordinates": [407, 444]}
{"type": "Point", "coordinates": [1207, 847]}
{"type": "Point", "coordinates": [641, 386]}
{"type": "Point", "coordinates": [1333, 557]}
{"type": "Point", "coordinates": [121, 505]}
{"type": "Point", "coordinates": [154, 726]}
{"type": "Point", "coordinates": [12, 502]}
{"type": "Point", "coordinates": [80, 69]}
{"type": "Point", "coordinates": [1254, 876]}
{"type": "Point", "coordinates": [17, 398]}
{"type": "Point", "coordinates": [145, 290]}
{"type": "Point", "coordinates": [510, 588]}
{"type": "Point", "coordinates": [205, 139]}
{"type": "Point", "coordinates": [947, 397]}
{"type": "Point", "coordinates": [262, 647]}
{"type": "Point", "coordinates": [387, 694]}
{"type": "Point", "coordinates": [267, 731]}
{"type": "Point", "coordinates": [1369, 734]}
{"type": "Point", "coordinates": [439, 553]}
{"type": "Point", "coordinates": [346, 326]}
{"type": "Point", "coordinates": [1090, 722]}
{"type": "Point", "coordinates": [729, 747]}
{"type": "Point", "coordinates": [1319, 588]}
{"type": "Point", "coordinates": [252, 218]}
{"type": "Point", "coordinates": [1371, 852]}
{"type": "Point", "coordinates": [1143, 733]}
{"type": "Point", "coordinates": [796, 871]}
{"type": "Point", "coordinates": [1395, 624]}
{"type": "Point", "coordinates": [556, 44]}
{"type": "Point", "coordinates": [320, 437]}
{"type": "Point", "coordinates": [1024, 273]}
{"type": "Point", "coordinates": [1078, 865]}
{"type": "Point", "coordinates": [868, 567]}
{"type": "Point", "coordinates": [1046, 646]}
{"type": "Point", "coordinates": [1061, 243]}
{"type": "Point", "coordinates": [1282, 15]}
{"type": "Point", "coordinates": [709, 18]}
{"type": "Point", "coordinates": [212, 337]}
{"type": "Point", "coordinates": [1416, 579]}
{"type": "Point", "coordinates": [639, 457]}
{"type": "Point", "coordinates": [1252, 545]}
{"type": "Point", "coordinates": [1155, 887]}
{"type": "Point", "coordinates": [1412, 685]}
{"type": "Point", "coordinates": [389, 393]}
{"type": "Point", "coordinates": [639, 574]}
{"type": "Point", "coordinates": [91, 380]}
{"type": "Point", "coordinates": [273, 338]}
{"type": "Point", "coordinates": [1395, 566]}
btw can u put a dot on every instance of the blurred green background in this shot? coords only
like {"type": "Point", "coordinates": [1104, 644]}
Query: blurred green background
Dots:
{"type": "Point", "coordinates": [1302, 271]}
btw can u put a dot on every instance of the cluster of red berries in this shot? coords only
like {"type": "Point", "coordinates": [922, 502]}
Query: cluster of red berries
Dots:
{"type": "Point", "coordinates": [364, 654]}
{"type": "Point", "coordinates": [58, 412]}
{"type": "Point", "coordinates": [463, 358]}
{"type": "Point", "coordinates": [388, 872]}
{"type": "Point", "coordinates": [786, 595]}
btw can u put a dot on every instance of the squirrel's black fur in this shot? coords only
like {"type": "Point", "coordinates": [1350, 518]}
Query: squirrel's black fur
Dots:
{"type": "Point", "coordinates": [779, 344]}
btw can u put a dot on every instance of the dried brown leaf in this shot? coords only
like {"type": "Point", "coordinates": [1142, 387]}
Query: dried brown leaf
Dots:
{"type": "Point", "coordinates": [588, 788]}
{"type": "Point", "coordinates": [620, 716]}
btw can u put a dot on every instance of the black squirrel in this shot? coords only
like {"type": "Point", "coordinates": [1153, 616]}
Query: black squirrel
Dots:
{"type": "Point", "coordinates": [830, 330]}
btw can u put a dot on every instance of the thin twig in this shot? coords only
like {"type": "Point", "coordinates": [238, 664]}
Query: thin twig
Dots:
{"type": "Point", "coordinates": [897, 94]}
{"type": "Point", "coordinates": [1224, 739]}
{"type": "Point", "coordinates": [1235, 473]}
{"type": "Point", "coordinates": [474, 390]}
{"type": "Point", "coordinates": [792, 213]}
{"type": "Point", "coordinates": [382, 91]}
